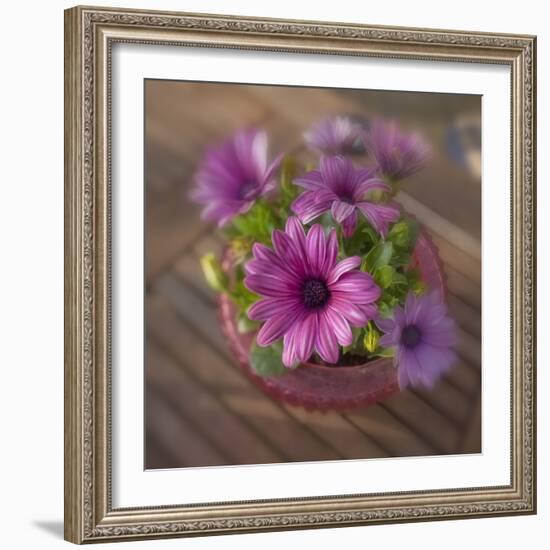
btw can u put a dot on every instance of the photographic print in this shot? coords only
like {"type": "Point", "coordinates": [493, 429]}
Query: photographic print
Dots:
{"type": "Point", "coordinates": [313, 274]}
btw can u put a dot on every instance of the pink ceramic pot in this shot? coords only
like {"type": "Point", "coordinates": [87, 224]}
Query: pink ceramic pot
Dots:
{"type": "Point", "coordinates": [317, 387]}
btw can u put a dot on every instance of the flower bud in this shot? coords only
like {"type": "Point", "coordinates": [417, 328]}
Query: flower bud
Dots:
{"type": "Point", "coordinates": [370, 340]}
{"type": "Point", "coordinates": [213, 272]}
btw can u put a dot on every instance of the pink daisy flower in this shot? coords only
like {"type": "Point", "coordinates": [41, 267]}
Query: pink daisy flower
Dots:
{"type": "Point", "coordinates": [336, 136]}
{"type": "Point", "coordinates": [309, 299]}
{"type": "Point", "coordinates": [423, 336]}
{"type": "Point", "coordinates": [398, 154]}
{"type": "Point", "coordinates": [341, 189]}
{"type": "Point", "coordinates": [232, 176]}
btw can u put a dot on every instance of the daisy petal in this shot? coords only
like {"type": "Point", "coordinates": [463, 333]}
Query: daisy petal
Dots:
{"type": "Point", "coordinates": [316, 248]}
{"type": "Point", "coordinates": [307, 207]}
{"type": "Point", "coordinates": [349, 224]}
{"type": "Point", "coordinates": [354, 315]}
{"type": "Point", "coordinates": [379, 216]}
{"type": "Point", "coordinates": [275, 327]}
{"type": "Point", "coordinates": [311, 181]}
{"type": "Point", "coordinates": [290, 356]}
{"type": "Point", "coordinates": [305, 336]}
{"type": "Point", "coordinates": [326, 343]}
{"type": "Point", "coordinates": [360, 287]}
{"type": "Point", "coordinates": [340, 326]}
{"type": "Point", "coordinates": [331, 251]}
{"type": "Point", "coordinates": [296, 232]}
{"type": "Point", "coordinates": [342, 267]}
{"type": "Point", "coordinates": [267, 285]}
{"type": "Point", "coordinates": [341, 210]}
{"type": "Point", "coordinates": [269, 307]}
{"type": "Point", "coordinates": [385, 325]}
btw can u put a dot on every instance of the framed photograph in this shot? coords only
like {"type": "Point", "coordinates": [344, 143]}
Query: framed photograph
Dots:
{"type": "Point", "coordinates": [300, 274]}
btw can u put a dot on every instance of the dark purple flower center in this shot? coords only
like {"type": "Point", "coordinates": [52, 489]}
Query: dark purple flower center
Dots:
{"type": "Point", "coordinates": [316, 293]}
{"type": "Point", "coordinates": [247, 190]}
{"type": "Point", "coordinates": [344, 197]}
{"type": "Point", "coordinates": [410, 336]}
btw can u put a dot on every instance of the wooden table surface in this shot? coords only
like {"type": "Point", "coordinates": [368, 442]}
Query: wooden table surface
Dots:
{"type": "Point", "coordinates": [200, 409]}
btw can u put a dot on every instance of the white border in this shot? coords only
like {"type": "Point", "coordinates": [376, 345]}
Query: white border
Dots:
{"type": "Point", "coordinates": [132, 486]}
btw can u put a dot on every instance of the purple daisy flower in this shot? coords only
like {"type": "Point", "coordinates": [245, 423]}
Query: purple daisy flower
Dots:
{"type": "Point", "coordinates": [340, 188]}
{"type": "Point", "coordinates": [232, 176]}
{"type": "Point", "coordinates": [336, 136]}
{"type": "Point", "coordinates": [308, 298]}
{"type": "Point", "coordinates": [398, 154]}
{"type": "Point", "coordinates": [423, 336]}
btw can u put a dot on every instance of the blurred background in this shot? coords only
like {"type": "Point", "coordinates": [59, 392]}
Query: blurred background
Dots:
{"type": "Point", "coordinates": [200, 409]}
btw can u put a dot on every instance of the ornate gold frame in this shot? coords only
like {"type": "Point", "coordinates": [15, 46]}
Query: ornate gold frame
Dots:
{"type": "Point", "coordinates": [89, 35]}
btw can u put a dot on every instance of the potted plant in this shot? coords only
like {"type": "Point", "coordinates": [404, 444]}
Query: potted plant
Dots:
{"type": "Point", "coordinates": [331, 295]}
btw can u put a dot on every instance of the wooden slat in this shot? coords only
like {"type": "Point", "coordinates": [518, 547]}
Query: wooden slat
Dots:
{"type": "Point", "coordinates": [471, 442]}
{"type": "Point", "coordinates": [464, 288]}
{"type": "Point", "coordinates": [173, 120]}
{"type": "Point", "coordinates": [172, 228]}
{"type": "Point", "coordinates": [166, 174]}
{"type": "Point", "coordinates": [384, 428]}
{"type": "Point", "coordinates": [342, 434]}
{"type": "Point", "coordinates": [157, 456]}
{"type": "Point", "coordinates": [231, 387]}
{"type": "Point", "coordinates": [298, 108]}
{"type": "Point", "coordinates": [469, 348]}
{"type": "Point", "coordinates": [464, 378]}
{"type": "Point", "coordinates": [423, 420]}
{"type": "Point", "coordinates": [175, 433]}
{"type": "Point", "coordinates": [234, 438]}
{"type": "Point", "coordinates": [459, 260]}
{"type": "Point", "coordinates": [208, 243]}
{"type": "Point", "coordinates": [465, 315]}
{"type": "Point", "coordinates": [193, 309]}
{"type": "Point", "coordinates": [447, 400]}
{"type": "Point", "coordinates": [456, 201]}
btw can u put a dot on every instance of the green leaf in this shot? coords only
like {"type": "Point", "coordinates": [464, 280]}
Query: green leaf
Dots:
{"type": "Point", "coordinates": [414, 231]}
{"type": "Point", "coordinates": [267, 361]}
{"type": "Point", "coordinates": [384, 308]}
{"type": "Point", "coordinates": [362, 240]}
{"type": "Point", "coordinates": [386, 304]}
{"type": "Point", "coordinates": [256, 224]}
{"type": "Point", "coordinates": [379, 256]}
{"type": "Point", "coordinates": [383, 275]}
{"type": "Point", "coordinates": [399, 279]}
{"type": "Point", "coordinates": [400, 259]}
{"type": "Point", "coordinates": [371, 233]}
